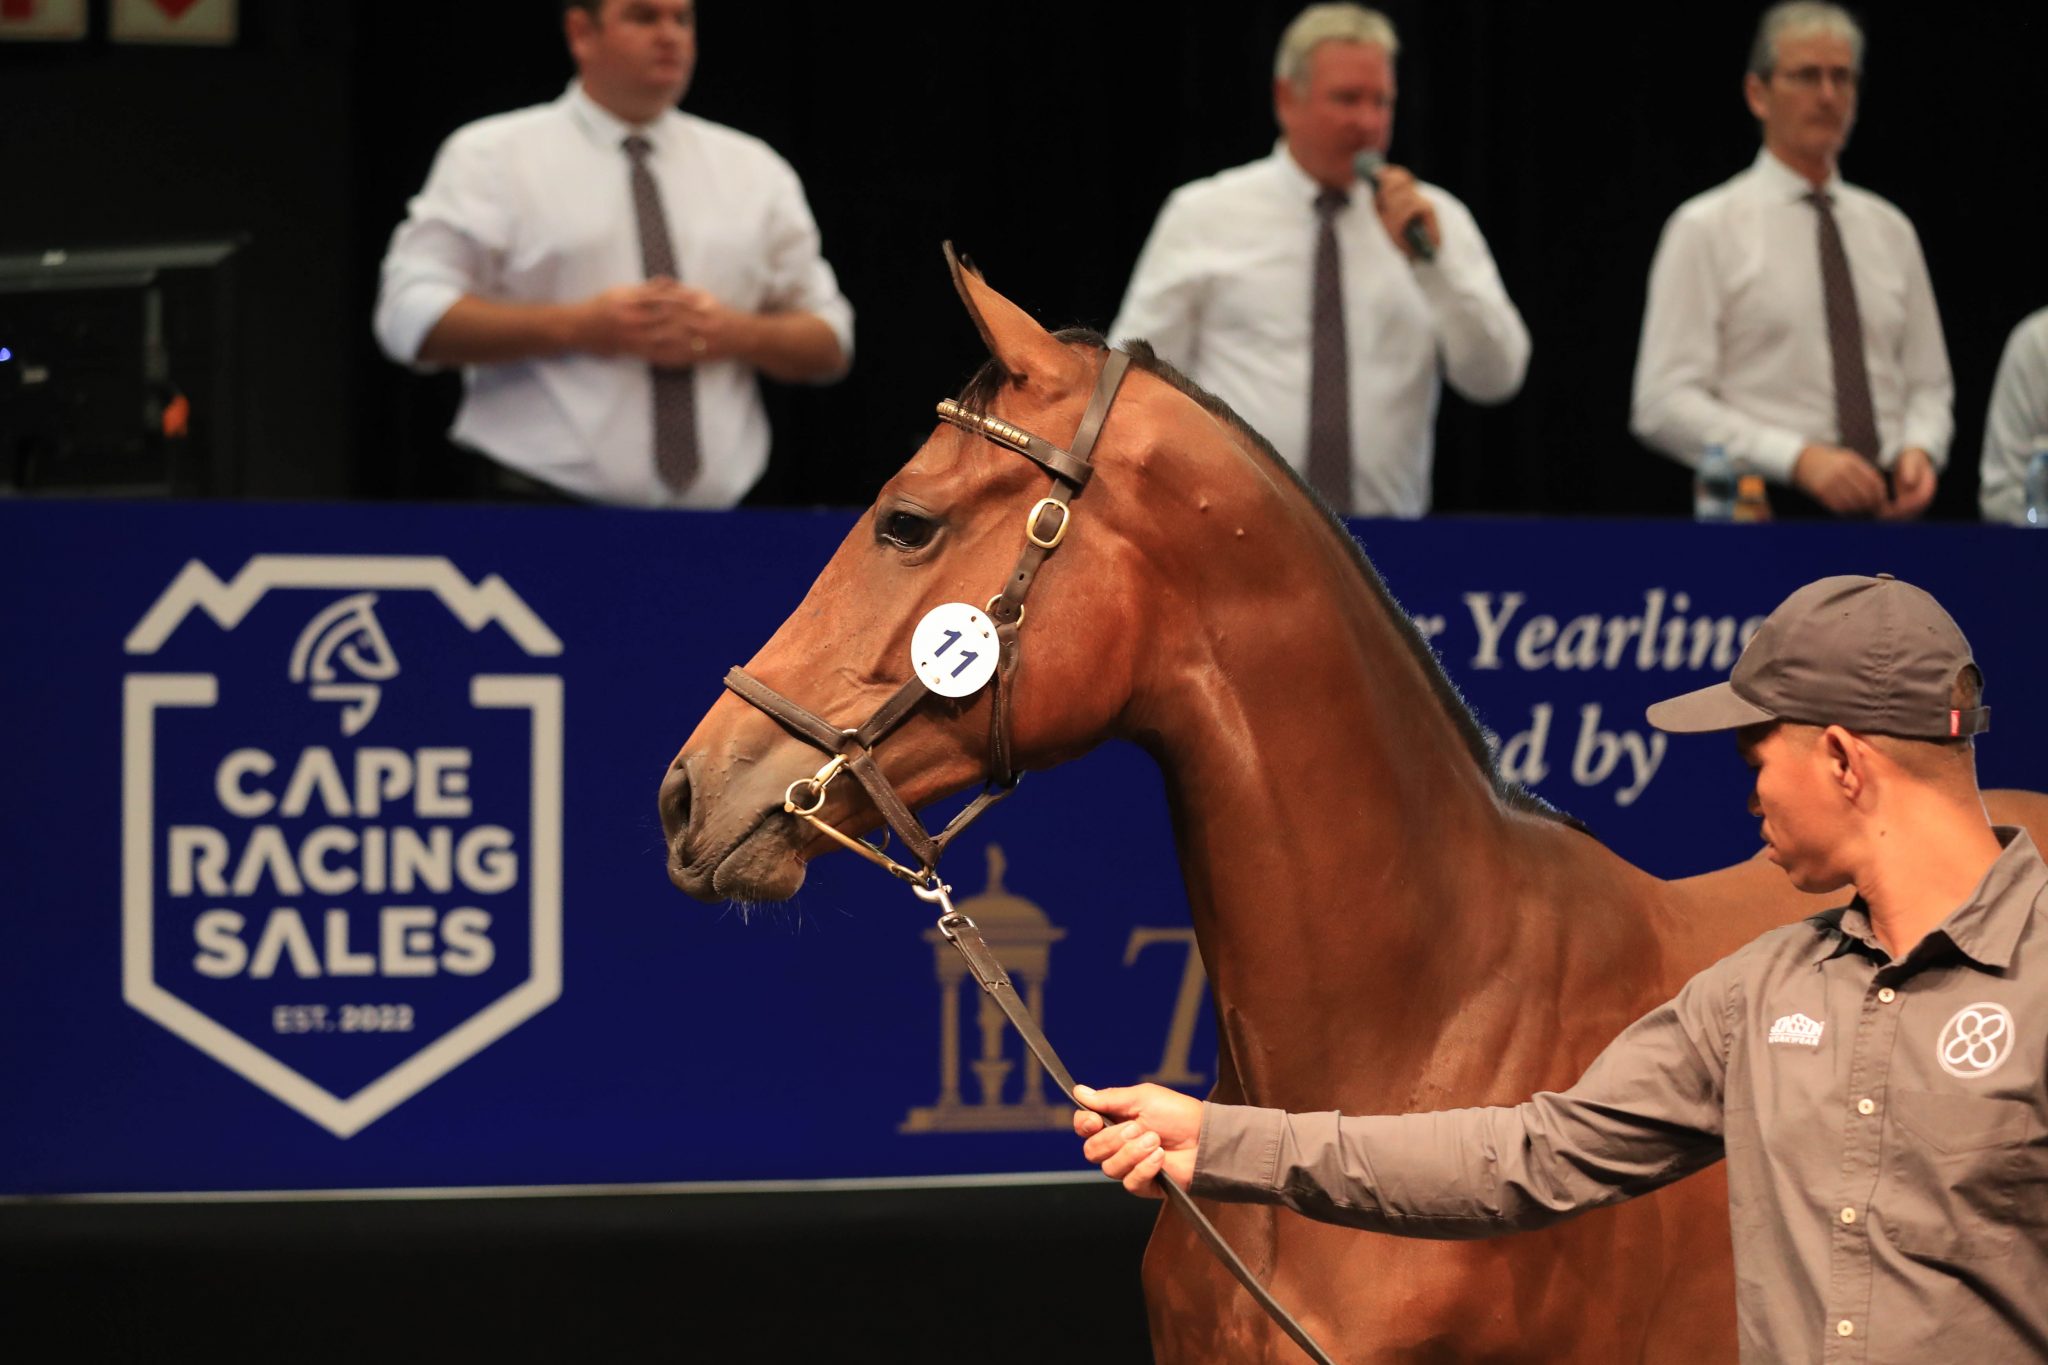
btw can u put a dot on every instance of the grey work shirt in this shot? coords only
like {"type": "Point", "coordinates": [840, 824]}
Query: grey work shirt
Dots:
{"type": "Point", "coordinates": [1885, 1125]}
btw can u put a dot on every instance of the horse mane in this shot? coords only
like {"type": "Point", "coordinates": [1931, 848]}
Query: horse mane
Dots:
{"type": "Point", "coordinates": [981, 390]}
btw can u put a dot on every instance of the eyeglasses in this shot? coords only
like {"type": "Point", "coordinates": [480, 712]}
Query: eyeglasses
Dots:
{"type": "Point", "coordinates": [1810, 77]}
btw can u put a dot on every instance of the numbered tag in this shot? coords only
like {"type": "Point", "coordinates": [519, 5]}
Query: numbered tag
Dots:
{"type": "Point", "coordinates": [954, 649]}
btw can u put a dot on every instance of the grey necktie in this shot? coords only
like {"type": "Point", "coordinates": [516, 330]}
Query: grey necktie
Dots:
{"type": "Point", "coordinates": [1329, 370]}
{"type": "Point", "coordinates": [1855, 418]}
{"type": "Point", "coordinates": [675, 391]}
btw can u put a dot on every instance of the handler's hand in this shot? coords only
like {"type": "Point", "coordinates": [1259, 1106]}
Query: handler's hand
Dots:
{"type": "Point", "coordinates": [1159, 1131]}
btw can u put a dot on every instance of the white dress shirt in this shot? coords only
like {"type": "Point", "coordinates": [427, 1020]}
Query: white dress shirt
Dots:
{"type": "Point", "coordinates": [1224, 290]}
{"type": "Point", "coordinates": [536, 206]}
{"type": "Point", "coordinates": [2017, 424]}
{"type": "Point", "coordinates": [1735, 333]}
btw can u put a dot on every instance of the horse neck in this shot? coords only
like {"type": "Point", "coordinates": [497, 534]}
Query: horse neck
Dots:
{"type": "Point", "coordinates": [1334, 826]}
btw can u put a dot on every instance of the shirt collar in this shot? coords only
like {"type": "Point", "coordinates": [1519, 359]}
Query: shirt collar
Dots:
{"type": "Point", "coordinates": [603, 126]}
{"type": "Point", "coordinates": [1984, 928]}
{"type": "Point", "coordinates": [1841, 929]}
{"type": "Point", "coordinates": [1782, 182]}
{"type": "Point", "coordinates": [1987, 925]}
{"type": "Point", "coordinates": [1298, 185]}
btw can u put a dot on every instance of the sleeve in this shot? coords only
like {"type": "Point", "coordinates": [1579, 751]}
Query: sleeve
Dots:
{"type": "Point", "coordinates": [1647, 1112]}
{"type": "Point", "coordinates": [800, 280]}
{"type": "Point", "coordinates": [1677, 408]}
{"type": "Point", "coordinates": [1484, 343]}
{"type": "Point", "coordinates": [1163, 302]}
{"type": "Point", "coordinates": [454, 236]}
{"type": "Point", "coordinates": [1930, 388]}
{"type": "Point", "coordinates": [2017, 421]}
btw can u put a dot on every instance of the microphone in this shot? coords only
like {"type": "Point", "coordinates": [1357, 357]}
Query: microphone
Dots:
{"type": "Point", "coordinates": [1367, 166]}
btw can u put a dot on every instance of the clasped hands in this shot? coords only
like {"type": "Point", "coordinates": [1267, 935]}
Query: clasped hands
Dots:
{"type": "Point", "coordinates": [662, 321]}
{"type": "Point", "coordinates": [1849, 485]}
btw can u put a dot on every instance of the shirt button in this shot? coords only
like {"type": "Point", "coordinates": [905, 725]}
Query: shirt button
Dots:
{"type": "Point", "coordinates": [1887, 995]}
{"type": "Point", "coordinates": [1866, 1107]}
{"type": "Point", "coordinates": [1848, 1216]}
{"type": "Point", "coordinates": [1845, 1328]}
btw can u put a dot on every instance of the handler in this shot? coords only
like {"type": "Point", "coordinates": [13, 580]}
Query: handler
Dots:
{"type": "Point", "coordinates": [1876, 1076]}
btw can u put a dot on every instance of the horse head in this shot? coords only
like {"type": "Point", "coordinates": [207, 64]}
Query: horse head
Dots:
{"type": "Point", "coordinates": [949, 527]}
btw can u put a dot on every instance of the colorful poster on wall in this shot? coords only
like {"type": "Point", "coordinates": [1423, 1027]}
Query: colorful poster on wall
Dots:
{"type": "Point", "coordinates": [174, 21]}
{"type": "Point", "coordinates": [42, 20]}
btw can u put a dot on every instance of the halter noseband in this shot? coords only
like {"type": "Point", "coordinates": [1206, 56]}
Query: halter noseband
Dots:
{"type": "Point", "coordinates": [852, 750]}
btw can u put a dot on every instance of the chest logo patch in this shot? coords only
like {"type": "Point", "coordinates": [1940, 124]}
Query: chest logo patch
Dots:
{"type": "Point", "coordinates": [1976, 1041]}
{"type": "Point", "coordinates": [1797, 1030]}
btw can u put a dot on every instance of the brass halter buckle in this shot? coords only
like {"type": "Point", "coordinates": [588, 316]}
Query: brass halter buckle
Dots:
{"type": "Point", "coordinates": [1051, 542]}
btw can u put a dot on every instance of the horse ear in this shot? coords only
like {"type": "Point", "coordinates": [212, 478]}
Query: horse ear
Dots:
{"type": "Point", "coordinates": [1023, 348]}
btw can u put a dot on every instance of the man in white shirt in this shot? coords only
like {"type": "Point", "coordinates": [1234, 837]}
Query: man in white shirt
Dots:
{"type": "Point", "coordinates": [1790, 319]}
{"type": "Point", "coordinates": [612, 274]}
{"type": "Point", "coordinates": [2017, 425]}
{"type": "Point", "coordinates": [1327, 314]}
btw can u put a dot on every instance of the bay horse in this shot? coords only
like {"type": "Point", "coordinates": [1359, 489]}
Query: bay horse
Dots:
{"type": "Point", "coordinates": [1387, 925]}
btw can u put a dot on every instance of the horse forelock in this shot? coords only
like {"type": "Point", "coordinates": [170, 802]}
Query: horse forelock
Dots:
{"type": "Point", "coordinates": [986, 383]}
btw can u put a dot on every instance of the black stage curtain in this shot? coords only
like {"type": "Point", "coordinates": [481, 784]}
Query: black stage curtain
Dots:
{"type": "Point", "coordinates": [1041, 138]}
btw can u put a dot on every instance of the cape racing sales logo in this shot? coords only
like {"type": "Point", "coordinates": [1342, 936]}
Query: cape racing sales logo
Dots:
{"type": "Point", "coordinates": [341, 904]}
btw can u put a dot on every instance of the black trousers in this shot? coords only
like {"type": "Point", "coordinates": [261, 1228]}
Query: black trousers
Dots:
{"type": "Point", "coordinates": [471, 476]}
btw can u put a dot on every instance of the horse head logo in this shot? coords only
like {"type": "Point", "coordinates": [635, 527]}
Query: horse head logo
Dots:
{"type": "Point", "coordinates": [346, 631]}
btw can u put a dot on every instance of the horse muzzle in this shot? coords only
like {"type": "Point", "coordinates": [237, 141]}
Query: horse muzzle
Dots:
{"type": "Point", "coordinates": [726, 834]}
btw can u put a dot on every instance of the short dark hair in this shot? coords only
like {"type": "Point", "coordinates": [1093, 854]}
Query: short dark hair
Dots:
{"type": "Point", "coordinates": [589, 7]}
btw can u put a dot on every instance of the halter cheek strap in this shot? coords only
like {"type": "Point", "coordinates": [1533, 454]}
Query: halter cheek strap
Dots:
{"type": "Point", "coordinates": [1045, 527]}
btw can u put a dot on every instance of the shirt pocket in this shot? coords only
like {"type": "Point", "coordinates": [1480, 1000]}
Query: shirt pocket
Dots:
{"type": "Point", "coordinates": [1952, 1174]}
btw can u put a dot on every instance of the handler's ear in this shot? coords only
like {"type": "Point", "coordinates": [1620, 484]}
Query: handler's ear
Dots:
{"type": "Point", "coordinates": [1030, 355]}
{"type": "Point", "coordinates": [1847, 758]}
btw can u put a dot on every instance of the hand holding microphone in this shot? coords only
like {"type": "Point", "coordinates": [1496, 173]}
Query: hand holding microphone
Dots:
{"type": "Point", "coordinates": [1410, 221]}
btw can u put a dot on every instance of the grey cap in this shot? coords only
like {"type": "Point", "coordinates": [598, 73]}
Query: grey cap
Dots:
{"type": "Point", "coordinates": [1871, 654]}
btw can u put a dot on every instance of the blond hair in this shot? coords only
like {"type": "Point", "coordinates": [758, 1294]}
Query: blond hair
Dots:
{"type": "Point", "coordinates": [1319, 24]}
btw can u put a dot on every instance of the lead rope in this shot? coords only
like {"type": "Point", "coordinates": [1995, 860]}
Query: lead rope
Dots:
{"type": "Point", "coordinates": [960, 931]}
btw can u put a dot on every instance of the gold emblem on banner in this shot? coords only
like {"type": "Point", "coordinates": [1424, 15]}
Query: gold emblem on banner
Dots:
{"type": "Point", "coordinates": [1010, 1091]}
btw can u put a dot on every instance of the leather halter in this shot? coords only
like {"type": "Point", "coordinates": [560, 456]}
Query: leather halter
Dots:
{"type": "Point", "coordinates": [852, 751]}
{"type": "Point", "coordinates": [1045, 526]}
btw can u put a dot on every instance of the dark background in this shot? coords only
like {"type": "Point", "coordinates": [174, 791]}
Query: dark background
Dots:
{"type": "Point", "coordinates": [963, 1276]}
{"type": "Point", "coordinates": [1042, 139]}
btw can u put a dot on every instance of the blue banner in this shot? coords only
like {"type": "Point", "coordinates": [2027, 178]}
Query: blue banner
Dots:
{"type": "Point", "coordinates": [333, 860]}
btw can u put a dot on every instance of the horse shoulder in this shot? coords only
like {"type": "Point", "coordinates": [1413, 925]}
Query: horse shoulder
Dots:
{"type": "Point", "coordinates": [1592, 936]}
{"type": "Point", "coordinates": [2027, 809]}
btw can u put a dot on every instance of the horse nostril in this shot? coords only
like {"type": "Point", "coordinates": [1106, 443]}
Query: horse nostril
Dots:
{"type": "Point", "coordinates": [675, 799]}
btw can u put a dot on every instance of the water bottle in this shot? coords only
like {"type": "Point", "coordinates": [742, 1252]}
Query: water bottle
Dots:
{"type": "Point", "coordinates": [1713, 488]}
{"type": "Point", "coordinates": [2037, 486]}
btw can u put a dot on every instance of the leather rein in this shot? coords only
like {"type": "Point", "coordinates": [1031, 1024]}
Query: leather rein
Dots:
{"type": "Point", "coordinates": [852, 751]}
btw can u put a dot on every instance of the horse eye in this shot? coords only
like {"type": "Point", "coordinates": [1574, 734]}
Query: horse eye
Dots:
{"type": "Point", "coordinates": [908, 529]}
